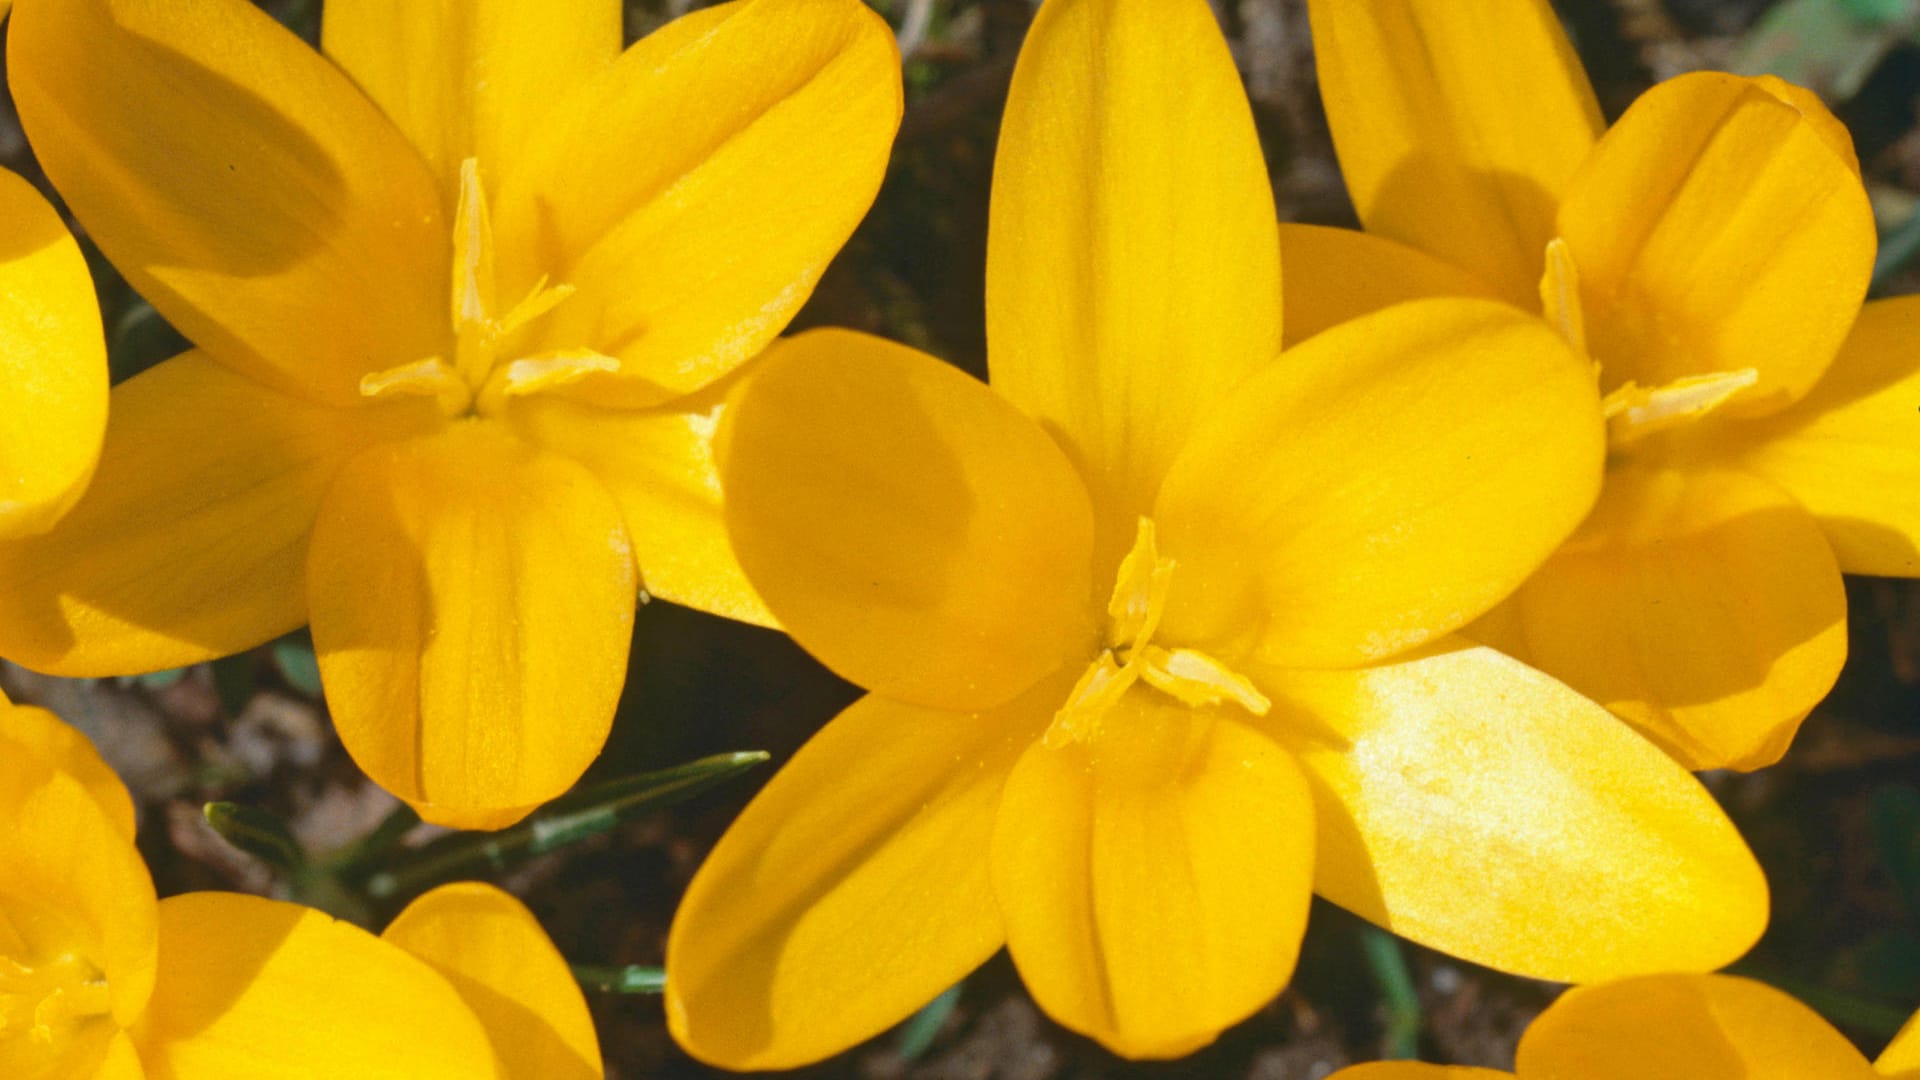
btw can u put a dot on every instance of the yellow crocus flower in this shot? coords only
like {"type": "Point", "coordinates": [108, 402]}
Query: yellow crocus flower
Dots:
{"type": "Point", "coordinates": [1710, 251]}
{"type": "Point", "coordinates": [1677, 1027]}
{"type": "Point", "coordinates": [53, 364]}
{"type": "Point", "coordinates": [1156, 628]}
{"type": "Point", "coordinates": [98, 981]}
{"type": "Point", "coordinates": [466, 292]}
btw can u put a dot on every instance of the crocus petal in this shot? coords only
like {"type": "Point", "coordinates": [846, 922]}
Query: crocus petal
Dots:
{"type": "Point", "coordinates": [1458, 125]}
{"type": "Point", "coordinates": [1685, 1027]}
{"type": "Point", "coordinates": [659, 464]}
{"type": "Point", "coordinates": [1155, 879]}
{"type": "Point", "coordinates": [472, 603]}
{"type": "Point", "coordinates": [62, 746]}
{"type": "Point", "coordinates": [1377, 477]}
{"type": "Point", "coordinates": [852, 890]}
{"type": "Point", "coordinates": [906, 524]}
{"type": "Point", "coordinates": [240, 182]}
{"type": "Point", "coordinates": [494, 953]}
{"type": "Point", "coordinates": [1717, 228]}
{"type": "Point", "coordinates": [251, 988]}
{"type": "Point", "coordinates": [1416, 1071]}
{"type": "Point", "coordinates": [470, 78]}
{"type": "Point", "coordinates": [1703, 606]}
{"type": "Point", "coordinates": [1901, 1059]}
{"type": "Point", "coordinates": [1133, 275]}
{"type": "Point", "coordinates": [1472, 804]}
{"type": "Point", "coordinates": [190, 541]}
{"type": "Point", "coordinates": [53, 364]}
{"type": "Point", "coordinates": [694, 193]}
{"type": "Point", "coordinates": [74, 881]}
{"type": "Point", "coordinates": [1334, 275]}
{"type": "Point", "coordinates": [1846, 450]}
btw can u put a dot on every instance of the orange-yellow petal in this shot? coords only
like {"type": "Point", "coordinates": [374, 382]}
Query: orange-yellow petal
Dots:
{"type": "Point", "coordinates": [1458, 124]}
{"type": "Point", "coordinates": [76, 891]}
{"type": "Point", "coordinates": [1154, 879]}
{"type": "Point", "coordinates": [191, 540]}
{"type": "Point", "coordinates": [1133, 276]}
{"type": "Point", "coordinates": [1381, 485]}
{"type": "Point", "coordinates": [240, 182]}
{"type": "Point", "coordinates": [1901, 1059]}
{"type": "Point", "coordinates": [1703, 606]}
{"type": "Point", "coordinates": [252, 988]}
{"type": "Point", "coordinates": [659, 463]}
{"type": "Point", "coordinates": [470, 78]}
{"type": "Point", "coordinates": [1474, 805]}
{"type": "Point", "coordinates": [1718, 228]}
{"type": "Point", "coordinates": [502, 964]}
{"type": "Point", "coordinates": [905, 523]}
{"type": "Point", "coordinates": [472, 603]}
{"type": "Point", "coordinates": [1685, 1027]}
{"type": "Point", "coordinates": [1847, 450]}
{"type": "Point", "coordinates": [852, 890]}
{"type": "Point", "coordinates": [62, 746]}
{"type": "Point", "coordinates": [53, 364]}
{"type": "Point", "coordinates": [695, 191]}
{"type": "Point", "coordinates": [1334, 275]}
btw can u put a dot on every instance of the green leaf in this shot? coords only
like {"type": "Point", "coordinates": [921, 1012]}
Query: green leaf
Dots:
{"type": "Point", "coordinates": [567, 820]}
{"type": "Point", "coordinates": [1389, 966]}
{"type": "Point", "coordinates": [1829, 46]}
{"type": "Point", "coordinates": [257, 833]}
{"type": "Point", "coordinates": [918, 1033]}
{"type": "Point", "coordinates": [294, 657]}
{"type": "Point", "coordinates": [1895, 814]}
{"type": "Point", "coordinates": [624, 980]}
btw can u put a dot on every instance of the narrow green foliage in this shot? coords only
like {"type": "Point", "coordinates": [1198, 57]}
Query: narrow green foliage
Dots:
{"type": "Point", "coordinates": [294, 657]}
{"type": "Point", "coordinates": [563, 822]}
{"type": "Point", "coordinates": [621, 980]}
{"type": "Point", "coordinates": [1389, 966]}
{"type": "Point", "coordinates": [257, 833]}
{"type": "Point", "coordinates": [1831, 46]}
{"type": "Point", "coordinates": [918, 1033]}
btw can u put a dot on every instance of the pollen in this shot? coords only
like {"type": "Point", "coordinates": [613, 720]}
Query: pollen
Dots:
{"type": "Point", "coordinates": [1139, 600]}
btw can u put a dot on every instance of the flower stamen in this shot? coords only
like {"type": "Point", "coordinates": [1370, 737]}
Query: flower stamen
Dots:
{"type": "Point", "coordinates": [1634, 412]}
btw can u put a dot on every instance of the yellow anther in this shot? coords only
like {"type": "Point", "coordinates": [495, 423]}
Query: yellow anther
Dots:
{"type": "Point", "coordinates": [545, 371]}
{"type": "Point", "coordinates": [538, 301]}
{"type": "Point", "coordinates": [1634, 412]}
{"type": "Point", "coordinates": [1199, 679]}
{"type": "Point", "coordinates": [1139, 590]}
{"type": "Point", "coordinates": [1560, 295]}
{"type": "Point", "coordinates": [1100, 688]}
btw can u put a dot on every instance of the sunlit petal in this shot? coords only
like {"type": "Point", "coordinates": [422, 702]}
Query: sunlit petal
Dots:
{"type": "Point", "coordinates": [852, 889]}
{"type": "Point", "coordinates": [1382, 484]}
{"type": "Point", "coordinates": [659, 464]}
{"type": "Point", "coordinates": [190, 542]}
{"type": "Point", "coordinates": [1716, 228]}
{"type": "Point", "coordinates": [1474, 805]}
{"type": "Point", "coordinates": [1133, 276]}
{"type": "Point", "coordinates": [905, 523]}
{"type": "Point", "coordinates": [694, 193]}
{"type": "Point", "coordinates": [62, 746]}
{"type": "Point", "coordinates": [470, 78]}
{"type": "Point", "coordinates": [494, 953]}
{"type": "Point", "coordinates": [1704, 606]}
{"type": "Point", "coordinates": [472, 602]}
{"type": "Point", "coordinates": [1334, 275]}
{"type": "Point", "coordinates": [1155, 879]}
{"type": "Point", "coordinates": [1686, 1027]}
{"type": "Point", "coordinates": [1458, 124]}
{"type": "Point", "coordinates": [240, 182]}
{"type": "Point", "coordinates": [252, 988]}
{"type": "Point", "coordinates": [1901, 1059]}
{"type": "Point", "coordinates": [53, 364]}
{"type": "Point", "coordinates": [1847, 451]}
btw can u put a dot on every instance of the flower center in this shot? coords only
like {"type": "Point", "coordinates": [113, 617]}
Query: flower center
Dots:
{"type": "Point", "coordinates": [1133, 616]}
{"type": "Point", "coordinates": [1632, 411]}
{"type": "Point", "coordinates": [478, 379]}
{"type": "Point", "coordinates": [45, 995]}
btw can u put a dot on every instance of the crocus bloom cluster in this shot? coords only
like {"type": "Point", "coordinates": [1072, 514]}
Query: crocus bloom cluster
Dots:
{"type": "Point", "coordinates": [1678, 1027]}
{"type": "Point", "coordinates": [1710, 252]}
{"type": "Point", "coordinates": [1157, 628]}
{"type": "Point", "coordinates": [53, 364]}
{"type": "Point", "coordinates": [465, 292]}
{"type": "Point", "coordinates": [97, 980]}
